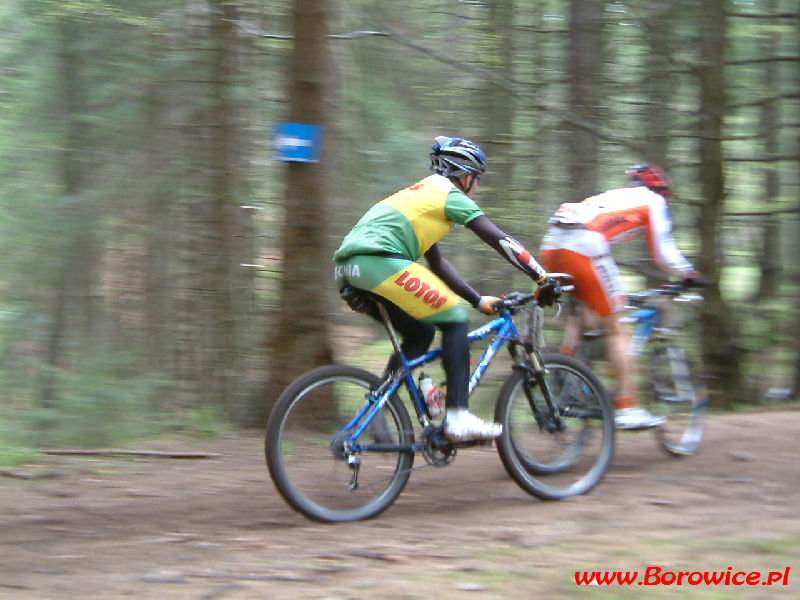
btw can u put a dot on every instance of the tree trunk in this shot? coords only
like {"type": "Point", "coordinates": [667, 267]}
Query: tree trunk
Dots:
{"type": "Point", "coordinates": [497, 138]}
{"type": "Point", "coordinates": [70, 168]}
{"type": "Point", "coordinates": [720, 332]}
{"type": "Point", "coordinates": [301, 338]}
{"type": "Point", "coordinates": [795, 234]}
{"type": "Point", "coordinates": [585, 67]}
{"type": "Point", "coordinates": [156, 258]}
{"type": "Point", "coordinates": [659, 83]}
{"type": "Point", "coordinates": [770, 257]}
{"type": "Point", "coordinates": [223, 170]}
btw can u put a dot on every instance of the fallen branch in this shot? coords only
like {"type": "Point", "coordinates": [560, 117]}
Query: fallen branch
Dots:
{"type": "Point", "coordinates": [150, 453]}
{"type": "Point", "coordinates": [16, 475]}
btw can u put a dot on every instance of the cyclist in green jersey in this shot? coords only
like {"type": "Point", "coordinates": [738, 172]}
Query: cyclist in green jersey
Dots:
{"type": "Point", "coordinates": [379, 256]}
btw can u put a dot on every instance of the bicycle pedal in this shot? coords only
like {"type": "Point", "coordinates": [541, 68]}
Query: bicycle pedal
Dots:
{"type": "Point", "coordinates": [637, 427]}
{"type": "Point", "coordinates": [671, 400]}
{"type": "Point", "coordinates": [472, 443]}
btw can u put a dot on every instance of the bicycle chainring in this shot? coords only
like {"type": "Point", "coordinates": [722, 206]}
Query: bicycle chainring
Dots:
{"type": "Point", "coordinates": [437, 449]}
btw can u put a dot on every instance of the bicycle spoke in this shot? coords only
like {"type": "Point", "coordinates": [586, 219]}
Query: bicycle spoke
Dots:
{"type": "Point", "coordinates": [560, 448]}
{"type": "Point", "coordinates": [675, 397]}
{"type": "Point", "coordinates": [308, 454]}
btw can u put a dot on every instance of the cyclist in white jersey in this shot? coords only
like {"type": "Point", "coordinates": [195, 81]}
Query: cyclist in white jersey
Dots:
{"type": "Point", "coordinates": [579, 242]}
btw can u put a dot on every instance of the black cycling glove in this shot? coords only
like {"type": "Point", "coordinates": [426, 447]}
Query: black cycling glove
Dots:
{"type": "Point", "coordinates": [549, 291]}
{"type": "Point", "coordinates": [696, 282]}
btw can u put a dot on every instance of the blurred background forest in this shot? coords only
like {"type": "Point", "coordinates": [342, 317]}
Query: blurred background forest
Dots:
{"type": "Point", "coordinates": [162, 270]}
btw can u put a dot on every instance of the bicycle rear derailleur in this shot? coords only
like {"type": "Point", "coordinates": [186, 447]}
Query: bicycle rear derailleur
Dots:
{"type": "Point", "coordinates": [342, 450]}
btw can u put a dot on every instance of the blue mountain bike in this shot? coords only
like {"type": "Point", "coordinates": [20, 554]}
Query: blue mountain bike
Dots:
{"type": "Point", "coordinates": [673, 389]}
{"type": "Point", "coordinates": [340, 443]}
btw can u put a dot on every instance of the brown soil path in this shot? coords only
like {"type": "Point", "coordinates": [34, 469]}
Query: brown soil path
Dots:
{"type": "Point", "coordinates": [148, 527]}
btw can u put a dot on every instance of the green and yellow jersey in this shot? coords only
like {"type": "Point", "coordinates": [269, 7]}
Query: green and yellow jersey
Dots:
{"type": "Point", "coordinates": [409, 222]}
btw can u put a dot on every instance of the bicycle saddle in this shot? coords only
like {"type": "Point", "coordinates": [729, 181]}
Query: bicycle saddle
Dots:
{"type": "Point", "coordinates": [358, 300]}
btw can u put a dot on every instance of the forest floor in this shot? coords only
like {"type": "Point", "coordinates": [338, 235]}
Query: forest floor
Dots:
{"type": "Point", "coordinates": [147, 527]}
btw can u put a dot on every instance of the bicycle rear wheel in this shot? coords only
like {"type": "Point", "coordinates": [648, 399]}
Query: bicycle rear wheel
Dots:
{"type": "Point", "coordinates": [675, 396]}
{"type": "Point", "coordinates": [305, 454]}
{"type": "Point", "coordinates": [548, 459]}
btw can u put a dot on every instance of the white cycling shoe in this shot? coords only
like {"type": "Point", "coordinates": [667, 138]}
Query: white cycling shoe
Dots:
{"type": "Point", "coordinates": [460, 425]}
{"type": "Point", "coordinates": [636, 417]}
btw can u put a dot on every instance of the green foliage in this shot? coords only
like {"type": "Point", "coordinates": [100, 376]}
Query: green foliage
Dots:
{"type": "Point", "coordinates": [12, 450]}
{"type": "Point", "coordinates": [108, 214]}
{"type": "Point", "coordinates": [203, 421]}
{"type": "Point", "coordinates": [95, 405]}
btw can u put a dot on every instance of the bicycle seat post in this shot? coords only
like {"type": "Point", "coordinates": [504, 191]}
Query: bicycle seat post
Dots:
{"type": "Point", "coordinates": [389, 328]}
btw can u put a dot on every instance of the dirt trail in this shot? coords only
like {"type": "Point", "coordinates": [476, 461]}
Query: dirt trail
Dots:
{"type": "Point", "coordinates": [147, 527]}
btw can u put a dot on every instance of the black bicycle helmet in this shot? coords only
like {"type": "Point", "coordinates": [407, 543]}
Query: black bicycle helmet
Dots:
{"type": "Point", "coordinates": [651, 176]}
{"type": "Point", "coordinates": [454, 157]}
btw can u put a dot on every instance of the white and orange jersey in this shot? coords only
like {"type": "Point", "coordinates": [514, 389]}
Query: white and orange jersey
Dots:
{"type": "Point", "coordinates": [623, 214]}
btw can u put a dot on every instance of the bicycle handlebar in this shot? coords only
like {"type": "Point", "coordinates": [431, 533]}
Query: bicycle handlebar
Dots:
{"type": "Point", "coordinates": [513, 300]}
{"type": "Point", "coordinates": [670, 289]}
{"type": "Point", "coordinates": [516, 299]}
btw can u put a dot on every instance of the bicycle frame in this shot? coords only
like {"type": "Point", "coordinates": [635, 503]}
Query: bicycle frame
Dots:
{"type": "Point", "coordinates": [646, 319]}
{"type": "Point", "coordinates": [502, 327]}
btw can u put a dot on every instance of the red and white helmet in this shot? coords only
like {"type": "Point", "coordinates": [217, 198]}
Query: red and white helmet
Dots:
{"type": "Point", "coordinates": [651, 176]}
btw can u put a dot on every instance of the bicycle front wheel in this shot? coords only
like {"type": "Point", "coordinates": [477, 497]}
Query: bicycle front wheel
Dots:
{"type": "Point", "coordinates": [306, 454]}
{"type": "Point", "coordinates": [562, 448]}
{"type": "Point", "coordinates": [676, 396]}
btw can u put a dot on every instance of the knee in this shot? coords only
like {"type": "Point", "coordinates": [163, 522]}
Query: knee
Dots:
{"type": "Point", "coordinates": [418, 337]}
{"type": "Point", "coordinates": [454, 329]}
{"type": "Point", "coordinates": [427, 333]}
{"type": "Point", "coordinates": [613, 325]}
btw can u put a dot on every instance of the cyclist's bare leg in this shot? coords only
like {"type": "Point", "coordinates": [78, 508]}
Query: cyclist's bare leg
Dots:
{"type": "Point", "coordinates": [573, 330]}
{"type": "Point", "coordinates": [617, 343]}
{"type": "Point", "coordinates": [628, 414]}
{"type": "Point", "coordinates": [580, 319]}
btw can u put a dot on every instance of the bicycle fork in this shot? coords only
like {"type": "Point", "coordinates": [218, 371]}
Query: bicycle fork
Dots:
{"type": "Point", "coordinates": [534, 375]}
{"type": "Point", "coordinates": [680, 374]}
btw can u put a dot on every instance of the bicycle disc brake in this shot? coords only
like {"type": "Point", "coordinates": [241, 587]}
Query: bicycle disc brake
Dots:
{"type": "Point", "coordinates": [437, 449]}
{"type": "Point", "coordinates": [338, 440]}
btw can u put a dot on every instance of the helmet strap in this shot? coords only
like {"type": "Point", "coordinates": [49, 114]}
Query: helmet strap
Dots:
{"type": "Point", "coordinates": [471, 183]}
{"type": "Point", "coordinates": [460, 185]}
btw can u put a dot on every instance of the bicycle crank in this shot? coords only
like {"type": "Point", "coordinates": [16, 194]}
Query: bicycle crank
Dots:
{"type": "Point", "coordinates": [437, 449]}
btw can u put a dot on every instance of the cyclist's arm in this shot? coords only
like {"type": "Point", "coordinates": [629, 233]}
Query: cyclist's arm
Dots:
{"type": "Point", "coordinates": [447, 273]}
{"type": "Point", "coordinates": [508, 247]}
{"type": "Point", "coordinates": [661, 244]}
